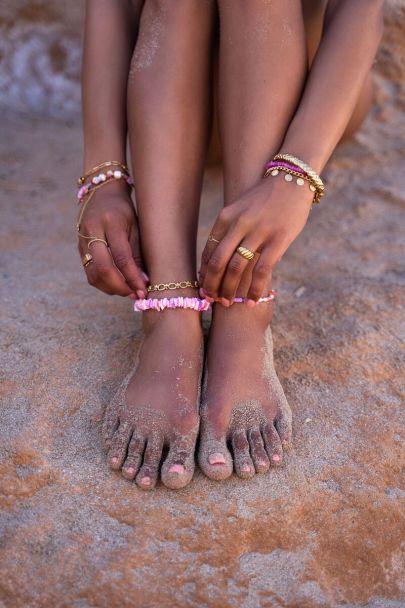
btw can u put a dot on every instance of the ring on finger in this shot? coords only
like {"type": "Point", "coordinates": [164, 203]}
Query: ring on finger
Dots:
{"type": "Point", "coordinates": [96, 240]}
{"type": "Point", "coordinates": [212, 239]}
{"type": "Point", "coordinates": [87, 259]}
{"type": "Point", "coordinates": [246, 253]}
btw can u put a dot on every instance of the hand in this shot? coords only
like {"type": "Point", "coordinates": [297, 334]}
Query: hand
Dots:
{"type": "Point", "coordinates": [110, 215]}
{"type": "Point", "coordinates": [266, 220]}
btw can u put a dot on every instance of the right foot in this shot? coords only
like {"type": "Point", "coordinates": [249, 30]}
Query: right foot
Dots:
{"type": "Point", "coordinates": [158, 408]}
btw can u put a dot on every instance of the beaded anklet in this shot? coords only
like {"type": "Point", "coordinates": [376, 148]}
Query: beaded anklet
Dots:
{"type": "Point", "coordinates": [196, 304]}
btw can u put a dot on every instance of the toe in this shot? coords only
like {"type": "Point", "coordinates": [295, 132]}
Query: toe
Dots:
{"type": "Point", "coordinates": [178, 468]}
{"type": "Point", "coordinates": [284, 429]}
{"type": "Point", "coordinates": [134, 457]}
{"type": "Point", "coordinates": [214, 458]}
{"type": "Point", "coordinates": [148, 473]}
{"type": "Point", "coordinates": [119, 446]}
{"type": "Point", "coordinates": [273, 445]}
{"type": "Point", "coordinates": [259, 456]}
{"type": "Point", "coordinates": [243, 463]}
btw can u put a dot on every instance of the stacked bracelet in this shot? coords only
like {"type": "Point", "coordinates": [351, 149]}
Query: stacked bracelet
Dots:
{"type": "Point", "coordinates": [107, 164]}
{"type": "Point", "coordinates": [294, 167]}
{"type": "Point", "coordinates": [172, 286]}
{"type": "Point", "coordinates": [103, 178]}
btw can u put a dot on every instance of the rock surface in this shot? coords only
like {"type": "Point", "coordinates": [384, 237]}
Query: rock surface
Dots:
{"type": "Point", "coordinates": [325, 530]}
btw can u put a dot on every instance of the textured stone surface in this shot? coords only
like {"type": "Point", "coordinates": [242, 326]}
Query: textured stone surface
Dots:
{"type": "Point", "coordinates": [325, 530]}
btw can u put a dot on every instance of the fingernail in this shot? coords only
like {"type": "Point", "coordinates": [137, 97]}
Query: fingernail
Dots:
{"type": "Point", "coordinates": [210, 300]}
{"type": "Point", "coordinates": [202, 293]}
{"type": "Point", "coordinates": [250, 303]}
{"type": "Point", "coordinates": [140, 294]}
{"type": "Point", "coordinates": [145, 276]}
{"type": "Point", "coordinates": [225, 302]}
{"type": "Point", "coordinates": [132, 296]}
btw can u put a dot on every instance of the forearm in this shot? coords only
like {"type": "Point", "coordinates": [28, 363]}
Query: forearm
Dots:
{"type": "Point", "coordinates": [110, 35]}
{"type": "Point", "coordinates": [352, 33]}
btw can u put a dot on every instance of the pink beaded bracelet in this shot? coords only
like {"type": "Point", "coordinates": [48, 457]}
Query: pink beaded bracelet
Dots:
{"type": "Point", "coordinates": [197, 304]}
{"type": "Point", "coordinates": [101, 178]}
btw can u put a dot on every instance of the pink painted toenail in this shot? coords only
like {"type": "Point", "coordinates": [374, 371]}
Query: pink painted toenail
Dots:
{"type": "Point", "coordinates": [276, 457]}
{"type": "Point", "coordinates": [145, 481]}
{"type": "Point", "coordinates": [130, 471]}
{"type": "Point", "coordinates": [114, 461]}
{"type": "Point", "coordinates": [216, 458]}
{"type": "Point", "coordinates": [177, 468]}
{"type": "Point", "coordinates": [246, 468]}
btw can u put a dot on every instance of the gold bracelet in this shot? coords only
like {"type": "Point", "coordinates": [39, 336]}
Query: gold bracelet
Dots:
{"type": "Point", "coordinates": [171, 286]}
{"type": "Point", "coordinates": [313, 175]}
{"type": "Point", "coordinates": [109, 163]}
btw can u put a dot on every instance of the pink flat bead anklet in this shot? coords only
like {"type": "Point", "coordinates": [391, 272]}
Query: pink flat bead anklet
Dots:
{"type": "Point", "coordinates": [196, 304]}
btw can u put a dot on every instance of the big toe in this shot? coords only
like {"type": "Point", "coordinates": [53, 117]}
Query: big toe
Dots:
{"type": "Point", "coordinates": [214, 458]}
{"type": "Point", "coordinates": [178, 468]}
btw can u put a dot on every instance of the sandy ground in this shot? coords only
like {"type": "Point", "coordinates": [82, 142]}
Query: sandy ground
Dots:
{"type": "Point", "coordinates": [328, 528]}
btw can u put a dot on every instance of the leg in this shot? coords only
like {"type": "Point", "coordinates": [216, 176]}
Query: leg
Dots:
{"type": "Point", "coordinates": [315, 12]}
{"type": "Point", "coordinates": [168, 110]}
{"type": "Point", "coordinates": [244, 404]}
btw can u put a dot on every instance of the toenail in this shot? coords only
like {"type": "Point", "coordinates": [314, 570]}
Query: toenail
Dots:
{"type": "Point", "coordinates": [114, 461]}
{"type": "Point", "coordinates": [261, 463]}
{"type": "Point", "coordinates": [177, 468]}
{"type": "Point", "coordinates": [250, 303]}
{"type": "Point", "coordinates": [145, 481]}
{"type": "Point", "coordinates": [130, 471]}
{"type": "Point", "coordinates": [276, 457]}
{"type": "Point", "coordinates": [246, 468]}
{"type": "Point", "coordinates": [216, 458]}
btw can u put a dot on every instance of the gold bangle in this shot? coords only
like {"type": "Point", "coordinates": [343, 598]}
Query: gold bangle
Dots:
{"type": "Point", "coordinates": [109, 163]}
{"type": "Point", "coordinates": [171, 286]}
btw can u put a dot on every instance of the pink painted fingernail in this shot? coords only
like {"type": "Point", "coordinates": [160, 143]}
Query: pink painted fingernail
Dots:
{"type": "Point", "coordinates": [140, 294]}
{"type": "Point", "coordinates": [250, 303]}
{"type": "Point", "coordinates": [177, 468]}
{"type": "Point", "coordinates": [225, 302]}
{"type": "Point", "coordinates": [132, 296]}
{"type": "Point", "coordinates": [202, 293]}
{"type": "Point", "coordinates": [209, 299]}
{"type": "Point", "coordinates": [145, 276]}
{"type": "Point", "coordinates": [216, 458]}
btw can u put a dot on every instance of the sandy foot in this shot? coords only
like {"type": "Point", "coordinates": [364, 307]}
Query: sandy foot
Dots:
{"type": "Point", "coordinates": [156, 409]}
{"type": "Point", "coordinates": [243, 404]}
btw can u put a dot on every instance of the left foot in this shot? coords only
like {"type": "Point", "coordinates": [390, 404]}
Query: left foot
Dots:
{"type": "Point", "coordinates": [243, 402]}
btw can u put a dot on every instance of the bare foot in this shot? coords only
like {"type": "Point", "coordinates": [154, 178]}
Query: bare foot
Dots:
{"type": "Point", "coordinates": [243, 402]}
{"type": "Point", "coordinates": [157, 406]}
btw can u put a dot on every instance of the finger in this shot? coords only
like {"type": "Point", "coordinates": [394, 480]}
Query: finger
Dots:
{"type": "Point", "coordinates": [236, 269]}
{"type": "Point", "coordinates": [261, 276]}
{"type": "Point", "coordinates": [101, 272]}
{"type": "Point", "coordinates": [219, 259]}
{"type": "Point", "coordinates": [122, 255]}
{"type": "Point", "coordinates": [218, 232]}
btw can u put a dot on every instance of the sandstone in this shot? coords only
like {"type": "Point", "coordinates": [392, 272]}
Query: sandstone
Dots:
{"type": "Point", "coordinates": [325, 530]}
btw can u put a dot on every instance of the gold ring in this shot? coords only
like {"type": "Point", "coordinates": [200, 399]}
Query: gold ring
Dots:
{"type": "Point", "coordinates": [96, 240]}
{"type": "Point", "coordinates": [87, 259]}
{"type": "Point", "coordinates": [246, 253]}
{"type": "Point", "coordinates": [212, 239]}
